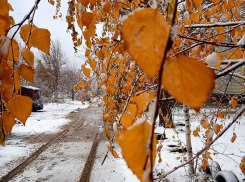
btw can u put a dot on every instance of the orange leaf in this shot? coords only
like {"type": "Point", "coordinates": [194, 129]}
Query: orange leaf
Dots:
{"type": "Point", "coordinates": [8, 121]}
{"type": "Point", "coordinates": [26, 72]}
{"type": "Point", "coordinates": [129, 116]}
{"type": "Point", "coordinates": [4, 45]}
{"type": "Point", "coordinates": [87, 18]}
{"type": "Point", "coordinates": [28, 56]}
{"type": "Point", "coordinates": [233, 102]}
{"type": "Point", "coordinates": [24, 32]}
{"type": "Point", "coordinates": [242, 165]}
{"type": "Point", "coordinates": [228, 16]}
{"type": "Point", "coordinates": [216, 128]}
{"type": "Point", "coordinates": [92, 63]}
{"type": "Point", "coordinates": [15, 50]}
{"type": "Point", "coordinates": [110, 89]}
{"type": "Point", "coordinates": [93, 2]}
{"type": "Point", "coordinates": [216, 1]}
{"type": "Point", "coordinates": [107, 7]}
{"type": "Point", "coordinates": [87, 53]}
{"type": "Point", "coordinates": [4, 8]}
{"type": "Point", "coordinates": [233, 138]}
{"type": "Point", "coordinates": [86, 71]}
{"type": "Point", "coordinates": [81, 84]}
{"type": "Point", "coordinates": [113, 152]}
{"type": "Point", "coordinates": [195, 133]}
{"type": "Point", "coordinates": [145, 35]}
{"type": "Point", "coordinates": [221, 114]}
{"type": "Point", "coordinates": [40, 38]}
{"type": "Point", "coordinates": [51, 2]}
{"type": "Point", "coordinates": [183, 78]}
{"type": "Point", "coordinates": [142, 101]}
{"type": "Point", "coordinates": [197, 2]}
{"type": "Point", "coordinates": [85, 2]}
{"type": "Point", "coordinates": [20, 107]}
{"type": "Point", "coordinates": [134, 148]}
{"type": "Point", "coordinates": [195, 17]}
{"type": "Point", "coordinates": [4, 23]}
{"type": "Point", "coordinates": [204, 123]}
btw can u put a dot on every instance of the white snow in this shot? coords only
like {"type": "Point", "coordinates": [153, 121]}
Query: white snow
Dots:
{"type": "Point", "coordinates": [4, 45]}
{"type": "Point", "coordinates": [30, 87]}
{"type": "Point", "coordinates": [213, 59]}
{"type": "Point", "coordinates": [242, 41]}
{"type": "Point", "coordinates": [103, 77]}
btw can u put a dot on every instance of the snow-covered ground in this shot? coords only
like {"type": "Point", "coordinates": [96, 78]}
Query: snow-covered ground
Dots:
{"type": "Point", "coordinates": [52, 118]}
{"type": "Point", "coordinates": [227, 154]}
{"type": "Point", "coordinates": [48, 120]}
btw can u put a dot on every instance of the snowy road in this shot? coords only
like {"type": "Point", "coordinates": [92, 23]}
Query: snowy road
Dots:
{"type": "Point", "coordinates": [61, 149]}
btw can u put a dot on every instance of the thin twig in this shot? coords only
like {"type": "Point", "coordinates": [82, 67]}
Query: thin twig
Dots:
{"type": "Point", "coordinates": [238, 114]}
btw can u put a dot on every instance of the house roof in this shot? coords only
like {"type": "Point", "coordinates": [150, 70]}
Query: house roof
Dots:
{"type": "Point", "coordinates": [30, 87]}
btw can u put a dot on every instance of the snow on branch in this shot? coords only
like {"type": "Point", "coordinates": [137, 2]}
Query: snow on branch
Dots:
{"type": "Point", "coordinates": [216, 24]}
{"type": "Point", "coordinates": [233, 67]}
{"type": "Point", "coordinates": [237, 115]}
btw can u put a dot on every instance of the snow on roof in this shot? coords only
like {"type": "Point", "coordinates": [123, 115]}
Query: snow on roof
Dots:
{"type": "Point", "coordinates": [31, 87]}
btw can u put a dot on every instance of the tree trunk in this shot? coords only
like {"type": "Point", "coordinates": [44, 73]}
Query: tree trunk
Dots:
{"type": "Point", "coordinates": [165, 111]}
{"type": "Point", "coordinates": [188, 139]}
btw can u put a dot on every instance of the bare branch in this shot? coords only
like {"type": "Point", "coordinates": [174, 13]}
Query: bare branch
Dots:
{"type": "Point", "coordinates": [238, 114]}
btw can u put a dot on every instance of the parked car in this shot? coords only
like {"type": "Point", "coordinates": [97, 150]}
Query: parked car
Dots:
{"type": "Point", "coordinates": [37, 106]}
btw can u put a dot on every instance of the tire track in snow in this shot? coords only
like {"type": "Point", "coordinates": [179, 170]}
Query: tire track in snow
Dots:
{"type": "Point", "coordinates": [58, 137]}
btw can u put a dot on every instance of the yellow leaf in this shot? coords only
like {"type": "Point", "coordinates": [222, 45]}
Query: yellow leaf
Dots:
{"type": "Point", "coordinates": [51, 2]}
{"type": "Point", "coordinates": [228, 16]}
{"type": "Point", "coordinates": [40, 38]}
{"type": "Point", "coordinates": [25, 31]}
{"type": "Point", "coordinates": [8, 121]}
{"type": "Point", "coordinates": [110, 89]}
{"type": "Point", "coordinates": [197, 2]}
{"type": "Point", "coordinates": [81, 84]}
{"type": "Point", "coordinates": [85, 2]}
{"type": "Point", "coordinates": [204, 123]}
{"type": "Point", "coordinates": [216, 1]}
{"type": "Point", "coordinates": [233, 138]}
{"type": "Point", "coordinates": [195, 133]}
{"type": "Point", "coordinates": [113, 152]}
{"type": "Point", "coordinates": [184, 79]}
{"type": "Point", "coordinates": [28, 56]}
{"type": "Point", "coordinates": [221, 114]}
{"type": "Point", "coordinates": [87, 18]}
{"type": "Point", "coordinates": [242, 165]}
{"type": "Point", "coordinates": [4, 45]}
{"type": "Point", "coordinates": [87, 53]}
{"type": "Point", "coordinates": [189, 5]}
{"type": "Point", "coordinates": [99, 55]}
{"type": "Point", "coordinates": [2, 137]}
{"type": "Point", "coordinates": [220, 29]}
{"type": "Point", "coordinates": [129, 116]}
{"type": "Point", "coordinates": [4, 23]}
{"type": "Point", "coordinates": [92, 63]}
{"type": "Point", "coordinates": [16, 81]}
{"type": "Point", "coordinates": [26, 72]}
{"type": "Point", "coordinates": [93, 2]}
{"type": "Point", "coordinates": [233, 102]}
{"type": "Point", "coordinates": [86, 71]}
{"type": "Point", "coordinates": [145, 35]}
{"type": "Point", "coordinates": [142, 101]}
{"type": "Point", "coordinates": [20, 107]}
{"type": "Point", "coordinates": [216, 128]}
{"type": "Point", "coordinates": [15, 51]}
{"type": "Point", "coordinates": [107, 7]}
{"type": "Point", "coordinates": [134, 148]}
{"type": "Point", "coordinates": [194, 17]}
{"type": "Point", "coordinates": [4, 7]}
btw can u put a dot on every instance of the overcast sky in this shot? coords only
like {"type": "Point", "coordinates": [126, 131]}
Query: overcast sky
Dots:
{"type": "Point", "coordinates": [44, 19]}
